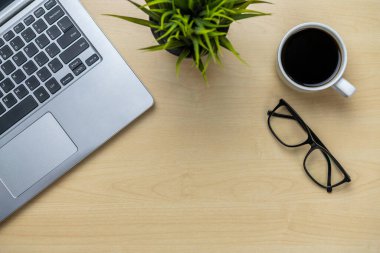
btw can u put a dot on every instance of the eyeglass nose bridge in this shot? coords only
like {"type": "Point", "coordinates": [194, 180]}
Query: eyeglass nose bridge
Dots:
{"type": "Point", "coordinates": [312, 143]}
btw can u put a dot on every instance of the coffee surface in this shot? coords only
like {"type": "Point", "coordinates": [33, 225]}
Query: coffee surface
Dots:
{"type": "Point", "coordinates": [311, 57]}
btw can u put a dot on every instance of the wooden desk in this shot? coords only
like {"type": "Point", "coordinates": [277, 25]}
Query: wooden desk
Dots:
{"type": "Point", "coordinates": [200, 173]}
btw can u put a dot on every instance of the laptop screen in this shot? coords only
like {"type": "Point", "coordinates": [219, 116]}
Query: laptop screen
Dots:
{"type": "Point", "coordinates": [5, 3]}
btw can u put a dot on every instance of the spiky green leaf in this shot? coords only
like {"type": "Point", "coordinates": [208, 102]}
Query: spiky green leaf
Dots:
{"type": "Point", "coordinates": [197, 28]}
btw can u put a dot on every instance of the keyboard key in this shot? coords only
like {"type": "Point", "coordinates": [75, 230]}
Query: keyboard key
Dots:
{"type": "Point", "coordinates": [42, 41]}
{"type": "Point", "coordinates": [53, 50]}
{"type": "Point", "coordinates": [17, 113]}
{"type": "Point", "coordinates": [17, 43]}
{"type": "Point", "coordinates": [19, 27]}
{"type": "Point", "coordinates": [65, 24]}
{"type": "Point", "coordinates": [1, 76]}
{"type": "Point", "coordinates": [43, 74]}
{"type": "Point", "coordinates": [7, 85]}
{"type": "Point", "coordinates": [69, 37]}
{"type": "Point", "coordinates": [40, 26]}
{"type": "Point", "coordinates": [79, 70]}
{"type": "Point", "coordinates": [53, 15]}
{"type": "Point", "coordinates": [54, 32]}
{"type": "Point", "coordinates": [74, 50]}
{"type": "Point", "coordinates": [75, 64]}
{"type": "Point", "coordinates": [9, 100]}
{"type": "Point", "coordinates": [67, 79]}
{"type": "Point", "coordinates": [31, 50]}
{"type": "Point", "coordinates": [41, 59]}
{"type": "Point", "coordinates": [55, 65]}
{"type": "Point", "coordinates": [92, 59]}
{"type": "Point", "coordinates": [2, 109]}
{"type": "Point", "coordinates": [28, 34]}
{"type": "Point", "coordinates": [8, 67]}
{"type": "Point", "coordinates": [32, 83]}
{"type": "Point", "coordinates": [19, 58]}
{"type": "Point", "coordinates": [9, 35]}
{"type": "Point", "coordinates": [6, 52]}
{"type": "Point", "coordinates": [29, 20]}
{"type": "Point", "coordinates": [50, 4]}
{"type": "Point", "coordinates": [21, 91]}
{"type": "Point", "coordinates": [30, 67]}
{"type": "Point", "coordinates": [53, 86]}
{"type": "Point", "coordinates": [2, 43]}
{"type": "Point", "coordinates": [18, 76]}
{"type": "Point", "coordinates": [41, 94]}
{"type": "Point", "coordinates": [39, 12]}
{"type": "Point", "coordinates": [1, 94]}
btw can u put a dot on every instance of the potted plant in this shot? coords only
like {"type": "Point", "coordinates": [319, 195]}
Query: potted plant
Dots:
{"type": "Point", "coordinates": [194, 29]}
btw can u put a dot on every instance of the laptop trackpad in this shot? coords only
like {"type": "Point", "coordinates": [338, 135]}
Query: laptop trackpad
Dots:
{"type": "Point", "coordinates": [32, 154]}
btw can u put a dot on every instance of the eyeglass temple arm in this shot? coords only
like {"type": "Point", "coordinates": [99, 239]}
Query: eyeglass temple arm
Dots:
{"type": "Point", "coordinates": [284, 116]}
{"type": "Point", "coordinates": [279, 115]}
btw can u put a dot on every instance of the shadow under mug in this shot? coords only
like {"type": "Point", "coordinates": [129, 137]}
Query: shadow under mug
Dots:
{"type": "Point", "coordinates": [337, 82]}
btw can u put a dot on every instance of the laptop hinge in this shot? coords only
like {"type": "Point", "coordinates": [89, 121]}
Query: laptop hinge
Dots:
{"type": "Point", "coordinates": [13, 10]}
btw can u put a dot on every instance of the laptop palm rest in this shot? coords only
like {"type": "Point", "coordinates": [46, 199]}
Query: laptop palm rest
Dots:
{"type": "Point", "coordinates": [32, 154]}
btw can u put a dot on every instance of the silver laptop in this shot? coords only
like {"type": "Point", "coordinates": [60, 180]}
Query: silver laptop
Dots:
{"type": "Point", "coordinates": [64, 91]}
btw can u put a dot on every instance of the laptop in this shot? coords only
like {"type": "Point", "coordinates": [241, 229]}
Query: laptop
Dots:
{"type": "Point", "coordinates": [64, 91]}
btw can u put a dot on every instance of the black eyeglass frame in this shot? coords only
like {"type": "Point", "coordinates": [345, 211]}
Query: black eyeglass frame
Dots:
{"type": "Point", "coordinates": [312, 140]}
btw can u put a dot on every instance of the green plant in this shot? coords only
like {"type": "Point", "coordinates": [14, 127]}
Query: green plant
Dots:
{"type": "Point", "coordinates": [194, 28]}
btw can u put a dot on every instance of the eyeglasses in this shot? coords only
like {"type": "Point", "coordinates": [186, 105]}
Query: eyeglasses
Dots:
{"type": "Point", "coordinates": [319, 164]}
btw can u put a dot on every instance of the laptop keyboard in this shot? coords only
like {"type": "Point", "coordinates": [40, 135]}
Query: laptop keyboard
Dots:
{"type": "Point", "coordinates": [39, 57]}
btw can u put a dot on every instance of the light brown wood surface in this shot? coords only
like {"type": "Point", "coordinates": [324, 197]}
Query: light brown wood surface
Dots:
{"type": "Point", "coordinates": [201, 173]}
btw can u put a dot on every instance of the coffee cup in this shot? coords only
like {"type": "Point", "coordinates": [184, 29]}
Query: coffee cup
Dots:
{"type": "Point", "coordinates": [312, 57]}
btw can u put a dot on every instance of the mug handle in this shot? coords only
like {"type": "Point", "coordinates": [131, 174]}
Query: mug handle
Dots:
{"type": "Point", "coordinates": [345, 88]}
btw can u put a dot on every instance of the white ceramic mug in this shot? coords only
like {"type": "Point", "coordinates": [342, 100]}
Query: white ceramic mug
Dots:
{"type": "Point", "coordinates": [337, 82]}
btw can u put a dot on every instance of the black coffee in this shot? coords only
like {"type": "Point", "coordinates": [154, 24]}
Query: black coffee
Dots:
{"type": "Point", "coordinates": [311, 57]}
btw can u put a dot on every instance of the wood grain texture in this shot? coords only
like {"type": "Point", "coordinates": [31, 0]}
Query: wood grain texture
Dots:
{"type": "Point", "coordinates": [201, 173]}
